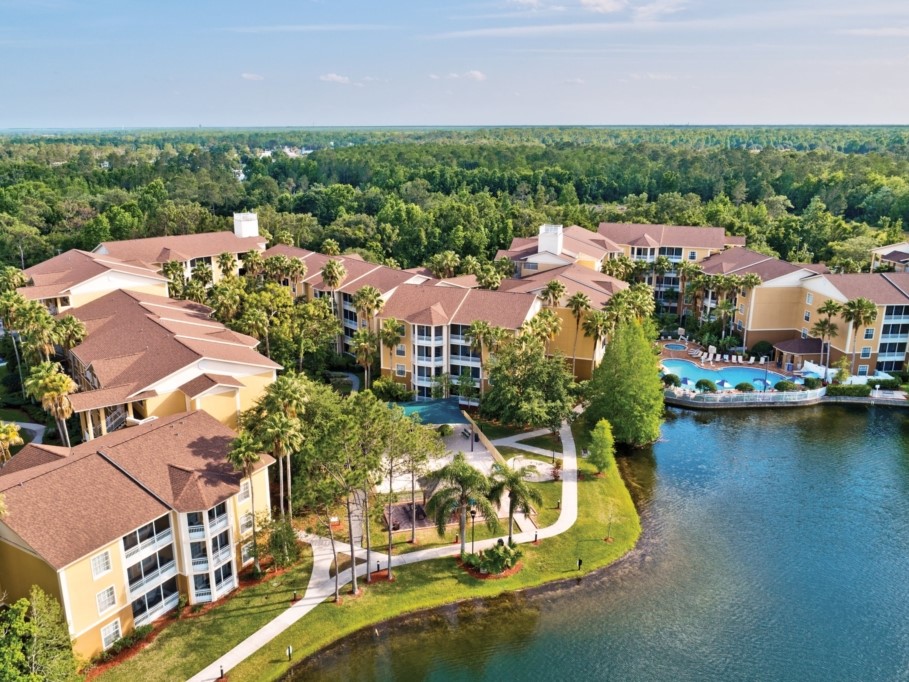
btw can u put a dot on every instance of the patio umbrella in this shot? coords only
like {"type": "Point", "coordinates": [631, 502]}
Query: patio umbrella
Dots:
{"type": "Point", "coordinates": [722, 383]}
{"type": "Point", "coordinates": [760, 382]}
{"type": "Point", "coordinates": [687, 382]}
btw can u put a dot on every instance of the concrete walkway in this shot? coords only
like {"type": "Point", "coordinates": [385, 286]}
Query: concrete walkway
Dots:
{"type": "Point", "coordinates": [322, 584]}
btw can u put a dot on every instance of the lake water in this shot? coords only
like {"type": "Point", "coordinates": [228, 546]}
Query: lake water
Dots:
{"type": "Point", "coordinates": [776, 547]}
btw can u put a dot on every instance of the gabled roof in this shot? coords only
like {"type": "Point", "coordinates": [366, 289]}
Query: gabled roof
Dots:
{"type": "Point", "coordinates": [576, 241]}
{"type": "Point", "coordinates": [55, 277]}
{"type": "Point", "coordinates": [182, 247]}
{"type": "Point", "coordinates": [439, 305]}
{"type": "Point", "coordinates": [742, 261]}
{"type": "Point", "coordinates": [135, 340]}
{"type": "Point", "coordinates": [879, 288]}
{"type": "Point", "coordinates": [684, 236]}
{"type": "Point", "coordinates": [68, 507]}
{"type": "Point", "coordinates": [896, 256]}
{"type": "Point", "coordinates": [576, 278]}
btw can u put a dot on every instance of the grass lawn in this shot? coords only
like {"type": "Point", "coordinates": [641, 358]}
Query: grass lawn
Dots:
{"type": "Point", "coordinates": [546, 442]}
{"type": "Point", "coordinates": [14, 414]}
{"type": "Point", "coordinates": [581, 435]}
{"type": "Point", "coordinates": [494, 430]}
{"type": "Point", "coordinates": [437, 582]}
{"type": "Point", "coordinates": [189, 644]}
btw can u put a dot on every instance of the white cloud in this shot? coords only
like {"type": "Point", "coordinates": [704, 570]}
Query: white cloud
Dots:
{"type": "Point", "coordinates": [882, 32]}
{"type": "Point", "coordinates": [434, 76]}
{"type": "Point", "coordinates": [335, 78]}
{"type": "Point", "coordinates": [657, 9]}
{"type": "Point", "coordinates": [475, 75]}
{"type": "Point", "coordinates": [575, 81]}
{"type": "Point", "coordinates": [650, 76]}
{"type": "Point", "coordinates": [604, 6]}
{"type": "Point", "coordinates": [252, 77]}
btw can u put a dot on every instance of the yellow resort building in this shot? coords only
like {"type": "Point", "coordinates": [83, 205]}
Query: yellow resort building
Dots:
{"type": "Point", "coordinates": [556, 247]}
{"type": "Point", "coordinates": [146, 357]}
{"type": "Point", "coordinates": [75, 278]}
{"type": "Point", "coordinates": [117, 529]}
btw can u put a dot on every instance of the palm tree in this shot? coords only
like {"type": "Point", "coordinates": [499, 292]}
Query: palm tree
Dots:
{"type": "Point", "coordinates": [552, 293]}
{"type": "Point", "coordinates": [546, 325]}
{"type": "Point", "coordinates": [826, 329]}
{"type": "Point", "coordinates": [363, 345]}
{"type": "Point", "coordinates": [255, 323]}
{"type": "Point", "coordinates": [195, 291]}
{"type": "Point", "coordinates": [48, 384]}
{"type": "Point", "coordinates": [252, 263]}
{"type": "Point", "coordinates": [368, 302]}
{"type": "Point", "coordinates": [38, 329]}
{"type": "Point", "coordinates": [520, 494]}
{"type": "Point", "coordinates": [11, 278]}
{"type": "Point", "coordinates": [176, 279]}
{"type": "Point", "coordinates": [478, 334]}
{"type": "Point", "coordinates": [830, 309]}
{"type": "Point", "coordinates": [596, 325]}
{"type": "Point", "coordinates": [276, 267]}
{"type": "Point", "coordinates": [227, 264]}
{"type": "Point", "coordinates": [10, 303]}
{"type": "Point", "coordinates": [579, 305]}
{"type": "Point", "coordinates": [859, 312]}
{"type": "Point", "coordinates": [459, 487]}
{"type": "Point", "coordinates": [244, 455]}
{"type": "Point", "coordinates": [333, 273]}
{"type": "Point", "coordinates": [288, 395]}
{"type": "Point", "coordinates": [70, 332]}
{"type": "Point", "coordinates": [724, 309]}
{"type": "Point", "coordinates": [226, 298]}
{"type": "Point", "coordinates": [444, 264]}
{"type": "Point", "coordinates": [282, 435]}
{"type": "Point", "coordinates": [202, 273]}
{"type": "Point", "coordinates": [9, 438]}
{"type": "Point", "coordinates": [489, 278]}
{"type": "Point", "coordinates": [687, 270]}
{"type": "Point", "coordinates": [330, 247]}
{"type": "Point", "coordinates": [470, 265]}
{"type": "Point", "coordinates": [296, 271]}
{"type": "Point", "coordinates": [390, 336]}
{"type": "Point", "coordinates": [620, 268]}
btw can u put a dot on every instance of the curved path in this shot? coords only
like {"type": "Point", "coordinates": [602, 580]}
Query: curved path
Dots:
{"type": "Point", "coordinates": [322, 584]}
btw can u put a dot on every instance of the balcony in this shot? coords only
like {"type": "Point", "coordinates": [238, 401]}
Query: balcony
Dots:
{"type": "Point", "coordinates": [155, 541]}
{"type": "Point", "coordinates": [219, 523]}
{"type": "Point", "coordinates": [221, 556]}
{"type": "Point", "coordinates": [158, 609]}
{"type": "Point", "coordinates": [201, 596]}
{"type": "Point", "coordinates": [430, 361]}
{"type": "Point", "coordinates": [200, 564]}
{"type": "Point", "coordinates": [197, 532]}
{"type": "Point", "coordinates": [224, 587]}
{"type": "Point", "coordinates": [116, 419]}
{"type": "Point", "coordinates": [460, 338]}
{"type": "Point", "coordinates": [435, 340]}
{"type": "Point", "coordinates": [166, 571]}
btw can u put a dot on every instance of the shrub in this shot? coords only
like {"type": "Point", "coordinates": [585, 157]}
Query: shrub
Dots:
{"type": "Point", "coordinates": [786, 386]}
{"type": "Point", "coordinates": [671, 380]}
{"type": "Point", "coordinates": [761, 348]}
{"type": "Point", "coordinates": [281, 542]}
{"type": "Point", "coordinates": [886, 384]}
{"type": "Point", "coordinates": [496, 559]}
{"type": "Point", "coordinates": [124, 643]}
{"type": "Point", "coordinates": [390, 391]}
{"type": "Point", "coordinates": [445, 430]}
{"type": "Point", "coordinates": [706, 385]}
{"type": "Point", "coordinates": [744, 387]}
{"type": "Point", "coordinates": [850, 390]}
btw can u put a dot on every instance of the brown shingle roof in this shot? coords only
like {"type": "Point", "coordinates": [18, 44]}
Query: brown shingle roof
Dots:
{"type": "Point", "coordinates": [55, 277]}
{"type": "Point", "coordinates": [741, 261]}
{"type": "Point", "coordinates": [807, 346]}
{"type": "Point", "coordinates": [68, 508]}
{"type": "Point", "coordinates": [443, 305]}
{"type": "Point", "coordinates": [196, 387]}
{"type": "Point", "coordinates": [875, 286]}
{"type": "Point", "coordinates": [576, 240]}
{"type": "Point", "coordinates": [684, 236]}
{"type": "Point", "coordinates": [598, 287]}
{"type": "Point", "coordinates": [135, 340]}
{"type": "Point", "coordinates": [183, 247]}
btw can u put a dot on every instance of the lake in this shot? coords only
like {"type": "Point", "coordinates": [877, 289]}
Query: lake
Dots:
{"type": "Point", "coordinates": [776, 547]}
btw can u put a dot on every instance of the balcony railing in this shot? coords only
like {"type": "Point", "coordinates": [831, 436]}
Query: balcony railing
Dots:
{"type": "Point", "coordinates": [200, 564]}
{"type": "Point", "coordinates": [459, 338]}
{"type": "Point", "coordinates": [430, 339]}
{"type": "Point", "coordinates": [197, 532]}
{"type": "Point", "coordinates": [221, 556]}
{"type": "Point", "coordinates": [201, 596]}
{"type": "Point", "coordinates": [219, 523]}
{"type": "Point", "coordinates": [434, 361]}
{"type": "Point", "coordinates": [158, 609]}
{"type": "Point", "coordinates": [115, 420]}
{"type": "Point", "coordinates": [224, 586]}
{"type": "Point", "coordinates": [166, 571]}
{"type": "Point", "coordinates": [158, 540]}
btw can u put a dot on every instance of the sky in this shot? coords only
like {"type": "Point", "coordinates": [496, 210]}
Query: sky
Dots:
{"type": "Point", "coordinates": [126, 63]}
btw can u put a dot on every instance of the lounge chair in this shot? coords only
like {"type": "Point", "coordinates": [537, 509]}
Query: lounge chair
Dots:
{"type": "Point", "coordinates": [735, 359]}
{"type": "Point", "coordinates": [763, 360]}
{"type": "Point", "coordinates": [751, 360]}
{"type": "Point", "coordinates": [725, 357]}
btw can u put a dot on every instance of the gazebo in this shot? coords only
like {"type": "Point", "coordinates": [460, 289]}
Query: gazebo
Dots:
{"type": "Point", "coordinates": [792, 353]}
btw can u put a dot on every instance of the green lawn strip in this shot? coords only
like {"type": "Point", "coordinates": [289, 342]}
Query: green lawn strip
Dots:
{"type": "Point", "coordinates": [191, 643]}
{"type": "Point", "coordinates": [548, 512]}
{"type": "Point", "coordinates": [12, 414]}
{"type": "Point", "coordinates": [441, 581]}
{"type": "Point", "coordinates": [546, 442]}
{"type": "Point", "coordinates": [494, 430]}
{"type": "Point", "coordinates": [581, 435]}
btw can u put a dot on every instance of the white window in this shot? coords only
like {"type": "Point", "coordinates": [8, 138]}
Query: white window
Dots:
{"type": "Point", "coordinates": [809, 299]}
{"type": "Point", "coordinates": [246, 552]}
{"type": "Point", "coordinates": [692, 255]}
{"type": "Point", "coordinates": [400, 350]}
{"type": "Point", "coordinates": [246, 523]}
{"type": "Point", "coordinates": [869, 333]}
{"type": "Point", "coordinates": [807, 316]}
{"type": "Point", "coordinates": [863, 370]}
{"type": "Point", "coordinates": [100, 564]}
{"type": "Point", "coordinates": [804, 333]}
{"type": "Point", "coordinates": [739, 325]}
{"type": "Point", "coordinates": [399, 370]}
{"type": "Point", "coordinates": [742, 308]}
{"type": "Point", "coordinates": [107, 599]}
{"type": "Point", "coordinates": [530, 266]}
{"type": "Point", "coordinates": [866, 352]}
{"type": "Point", "coordinates": [110, 633]}
{"type": "Point", "coordinates": [244, 490]}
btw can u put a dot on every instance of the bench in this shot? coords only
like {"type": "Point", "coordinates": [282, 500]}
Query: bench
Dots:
{"type": "Point", "coordinates": [465, 433]}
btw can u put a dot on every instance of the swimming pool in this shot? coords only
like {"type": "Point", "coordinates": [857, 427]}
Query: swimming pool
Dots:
{"type": "Point", "coordinates": [675, 346]}
{"type": "Point", "coordinates": [684, 369]}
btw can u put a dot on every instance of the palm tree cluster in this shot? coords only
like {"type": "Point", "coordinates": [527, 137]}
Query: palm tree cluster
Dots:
{"type": "Point", "coordinates": [826, 328]}
{"type": "Point", "coordinates": [9, 438]}
{"type": "Point", "coordinates": [51, 386]}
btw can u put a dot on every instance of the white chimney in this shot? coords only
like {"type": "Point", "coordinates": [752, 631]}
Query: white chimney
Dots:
{"type": "Point", "coordinates": [246, 224]}
{"type": "Point", "coordinates": [550, 239]}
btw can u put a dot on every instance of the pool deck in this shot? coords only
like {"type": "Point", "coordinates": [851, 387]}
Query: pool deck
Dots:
{"type": "Point", "coordinates": [668, 354]}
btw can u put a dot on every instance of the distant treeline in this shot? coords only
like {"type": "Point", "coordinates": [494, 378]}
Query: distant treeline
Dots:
{"type": "Point", "coordinates": [401, 195]}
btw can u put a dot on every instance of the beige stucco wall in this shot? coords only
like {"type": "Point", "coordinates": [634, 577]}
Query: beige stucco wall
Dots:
{"type": "Point", "coordinates": [19, 570]}
{"type": "Point", "coordinates": [221, 406]}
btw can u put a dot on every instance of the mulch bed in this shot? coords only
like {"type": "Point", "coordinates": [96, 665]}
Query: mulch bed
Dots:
{"type": "Point", "coordinates": [491, 576]}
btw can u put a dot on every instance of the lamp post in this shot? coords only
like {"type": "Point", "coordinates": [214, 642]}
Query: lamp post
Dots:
{"type": "Point", "coordinates": [473, 526]}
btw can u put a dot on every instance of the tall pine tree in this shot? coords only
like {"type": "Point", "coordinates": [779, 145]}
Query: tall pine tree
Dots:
{"type": "Point", "coordinates": [626, 389]}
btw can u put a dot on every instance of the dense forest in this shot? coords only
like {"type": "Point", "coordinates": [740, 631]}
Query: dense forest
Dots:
{"type": "Point", "coordinates": [402, 195]}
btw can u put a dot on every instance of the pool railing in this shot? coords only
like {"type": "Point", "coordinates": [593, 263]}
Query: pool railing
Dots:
{"type": "Point", "coordinates": [754, 398]}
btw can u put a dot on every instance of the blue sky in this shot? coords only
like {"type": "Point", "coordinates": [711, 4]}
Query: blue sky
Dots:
{"type": "Point", "coordinates": [111, 63]}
